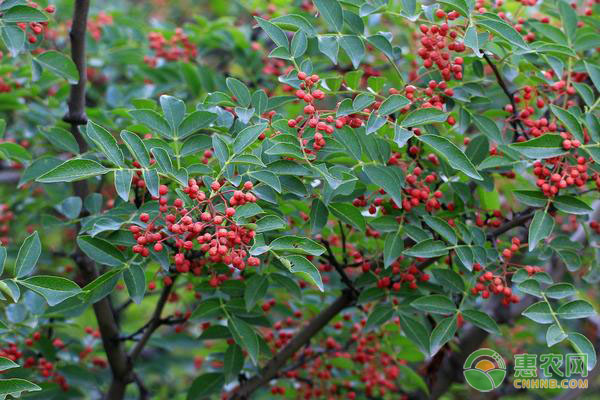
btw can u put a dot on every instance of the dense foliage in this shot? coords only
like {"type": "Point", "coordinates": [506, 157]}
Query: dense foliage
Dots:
{"type": "Point", "coordinates": [299, 199]}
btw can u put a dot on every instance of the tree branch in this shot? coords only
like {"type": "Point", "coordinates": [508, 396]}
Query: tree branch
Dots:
{"type": "Point", "coordinates": [508, 94]}
{"type": "Point", "coordinates": [109, 329]}
{"type": "Point", "coordinates": [275, 365]}
{"type": "Point", "coordinates": [154, 322]}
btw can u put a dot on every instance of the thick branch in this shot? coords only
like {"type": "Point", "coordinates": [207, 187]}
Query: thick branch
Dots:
{"type": "Point", "coordinates": [109, 329]}
{"type": "Point", "coordinates": [508, 94]}
{"type": "Point", "coordinates": [274, 366]}
{"type": "Point", "coordinates": [154, 323]}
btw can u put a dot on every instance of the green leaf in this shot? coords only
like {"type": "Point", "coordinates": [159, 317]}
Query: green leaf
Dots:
{"type": "Point", "coordinates": [102, 286]}
{"type": "Point", "coordinates": [14, 151]}
{"type": "Point", "coordinates": [163, 161]}
{"type": "Point", "coordinates": [568, 18]}
{"type": "Point", "coordinates": [2, 259]}
{"type": "Point", "coordinates": [354, 48]}
{"type": "Point", "coordinates": [386, 179]}
{"type": "Point", "coordinates": [318, 216]}
{"type": "Point", "coordinates": [545, 146]}
{"type": "Point", "coordinates": [465, 255]}
{"type": "Point", "coordinates": [154, 121]}
{"type": "Point", "coordinates": [482, 320]}
{"type": "Point", "coordinates": [530, 286]}
{"type": "Point", "coordinates": [70, 207]}
{"type": "Point", "coordinates": [504, 30]}
{"type": "Point", "coordinates": [244, 335]}
{"type": "Point", "coordinates": [137, 148]}
{"type": "Point", "coordinates": [471, 40]}
{"type": "Point", "coordinates": [449, 279]}
{"type": "Point", "coordinates": [240, 91]}
{"type": "Point", "coordinates": [221, 149]}
{"type": "Point", "coordinates": [270, 223]}
{"type": "Point", "coordinates": [306, 270]}
{"type": "Point", "coordinates": [135, 280]}
{"type": "Point", "coordinates": [28, 255]}
{"type": "Point", "coordinates": [362, 101]}
{"type": "Point", "coordinates": [206, 385]}
{"type": "Point", "coordinates": [540, 228]}
{"type": "Point", "coordinates": [207, 309]}
{"type": "Point", "coordinates": [560, 290]}
{"type": "Point", "coordinates": [73, 170]}
{"type": "Point", "coordinates": [233, 362]}
{"type": "Point", "coordinates": [424, 116]}
{"type": "Point", "coordinates": [329, 46]}
{"type": "Point", "coordinates": [392, 104]}
{"type": "Point", "coordinates": [291, 21]}
{"type": "Point", "coordinates": [576, 309]}
{"type": "Point", "coordinates": [434, 304]}
{"type": "Point", "coordinates": [276, 34]}
{"type": "Point", "coordinates": [247, 136]}
{"type": "Point", "coordinates": [256, 289]}
{"type": "Point", "coordinates": [442, 333]}
{"type": "Point", "coordinates": [349, 214]}
{"type": "Point", "coordinates": [194, 122]}
{"type": "Point", "coordinates": [488, 127]}
{"type": "Point", "coordinates": [569, 121]}
{"type": "Point", "coordinates": [299, 44]}
{"type": "Point", "coordinates": [152, 181]}
{"type": "Point", "coordinates": [174, 111]}
{"type": "Point", "coordinates": [392, 248]}
{"type": "Point", "coordinates": [416, 332]}
{"type": "Point", "coordinates": [381, 313]}
{"type": "Point", "coordinates": [267, 177]}
{"type": "Point", "coordinates": [539, 312]}
{"type": "Point", "coordinates": [331, 10]}
{"type": "Point", "coordinates": [594, 73]}
{"type": "Point", "coordinates": [554, 335]}
{"type": "Point", "coordinates": [61, 139]}
{"type": "Point", "coordinates": [297, 244]}
{"type": "Point", "coordinates": [105, 142]}
{"type": "Point", "coordinates": [456, 158]}
{"type": "Point", "coordinates": [382, 44]}
{"type": "Point", "coordinates": [6, 363]}
{"type": "Point", "coordinates": [428, 248]}
{"type": "Point", "coordinates": [583, 346]}
{"type": "Point", "coordinates": [101, 251]}
{"type": "Point", "coordinates": [59, 64]}
{"type": "Point", "coordinates": [16, 386]}
{"type": "Point", "coordinates": [533, 198]}
{"type": "Point", "coordinates": [54, 289]}
{"type": "Point", "coordinates": [14, 39]}
{"type": "Point", "coordinates": [21, 13]}
{"type": "Point", "coordinates": [441, 227]}
{"type": "Point", "coordinates": [571, 205]}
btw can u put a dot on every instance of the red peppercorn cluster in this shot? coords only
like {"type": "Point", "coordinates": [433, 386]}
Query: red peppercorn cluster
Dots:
{"type": "Point", "coordinates": [419, 191]}
{"type": "Point", "coordinates": [96, 23]}
{"type": "Point", "coordinates": [6, 217]}
{"type": "Point", "coordinates": [493, 219]}
{"type": "Point", "coordinates": [45, 368]}
{"type": "Point", "coordinates": [595, 226]}
{"type": "Point", "coordinates": [514, 247]}
{"type": "Point", "coordinates": [411, 276]}
{"type": "Point", "coordinates": [177, 48]}
{"type": "Point", "coordinates": [202, 224]}
{"type": "Point", "coordinates": [437, 42]}
{"type": "Point", "coordinates": [554, 174]}
{"type": "Point", "coordinates": [36, 30]}
{"type": "Point", "coordinates": [494, 284]}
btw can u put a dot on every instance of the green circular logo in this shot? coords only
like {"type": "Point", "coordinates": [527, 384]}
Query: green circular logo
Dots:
{"type": "Point", "coordinates": [484, 370]}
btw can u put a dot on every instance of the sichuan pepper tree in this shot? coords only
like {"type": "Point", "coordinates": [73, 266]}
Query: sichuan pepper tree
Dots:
{"type": "Point", "coordinates": [327, 199]}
